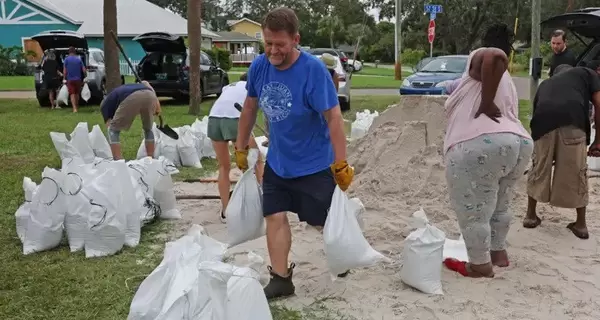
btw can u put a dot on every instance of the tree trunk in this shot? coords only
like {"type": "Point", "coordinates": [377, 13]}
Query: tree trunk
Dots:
{"type": "Point", "coordinates": [111, 51]}
{"type": "Point", "coordinates": [195, 41]}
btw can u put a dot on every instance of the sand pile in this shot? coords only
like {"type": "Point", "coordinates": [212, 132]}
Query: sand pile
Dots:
{"type": "Point", "coordinates": [399, 168]}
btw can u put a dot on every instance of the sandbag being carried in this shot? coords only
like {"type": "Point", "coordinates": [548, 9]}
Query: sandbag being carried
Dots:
{"type": "Point", "coordinates": [63, 146]}
{"type": "Point", "coordinates": [85, 92]}
{"type": "Point", "coordinates": [345, 246]}
{"type": "Point", "coordinates": [99, 143]}
{"type": "Point", "coordinates": [45, 225]}
{"type": "Point", "coordinates": [80, 139]}
{"type": "Point", "coordinates": [22, 214]}
{"type": "Point", "coordinates": [245, 221]}
{"type": "Point", "coordinates": [245, 295]}
{"type": "Point", "coordinates": [107, 222]}
{"type": "Point", "coordinates": [63, 95]}
{"type": "Point", "coordinates": [423, 252]}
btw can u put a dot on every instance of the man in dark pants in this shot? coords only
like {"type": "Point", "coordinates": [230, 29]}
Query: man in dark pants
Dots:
{"type": "Point", "coordinates": [562, 54]}
{"type": "Point", "coordinates": [307, 144]}
{"type": "Point", "coordinates": [560, 128]}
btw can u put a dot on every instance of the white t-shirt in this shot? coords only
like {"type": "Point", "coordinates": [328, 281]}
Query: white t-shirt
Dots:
{"type": "Point", "coordinates": [224, 106]}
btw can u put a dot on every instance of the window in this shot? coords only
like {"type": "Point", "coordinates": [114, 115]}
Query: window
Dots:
{"type": "Point", "coordinates": [98, 57]}
{"type": "Point", "coordinates": [205, 59]}
{"type": "Point", "coordinates": [258, 35]}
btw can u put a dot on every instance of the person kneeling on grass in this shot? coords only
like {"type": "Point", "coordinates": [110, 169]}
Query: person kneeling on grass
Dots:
{"type": "Point", "coordinates": [119, 109]}
{"type": "Point", "coordinates": [222, 128]}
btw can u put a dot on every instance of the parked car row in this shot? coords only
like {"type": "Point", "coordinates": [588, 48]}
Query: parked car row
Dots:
{"type": "Point", "coordinates": [165, 65]}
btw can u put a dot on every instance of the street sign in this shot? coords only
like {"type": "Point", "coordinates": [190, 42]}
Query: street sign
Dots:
{"type": "Point", "coordinates": [432, 16]}
{"type": "Point", "coordinates": [431, 31]}
{"type": "Point", "coordinates": [433, 8]}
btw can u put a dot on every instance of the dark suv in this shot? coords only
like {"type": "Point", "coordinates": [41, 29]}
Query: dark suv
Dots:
{"type": "Point", "coordinates": [334, 52]}
{"type": "Point", "coordinates": [166, 66]}
{"type": "Point", "coordinates": [582, 23]}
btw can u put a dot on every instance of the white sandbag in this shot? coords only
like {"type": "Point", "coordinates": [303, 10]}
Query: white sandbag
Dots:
{"type": "Point", "coordinates": [99, 144]}
{"type": "Point", "coordinates": [78, 206]}
{"type": "Point", "coordinates": [186, 146]}
{"type": "Point", "coordinates": [63, 146]}
{"type": "Point", "coordinates": [106, 222]}
{"type": "Point", "coordinates": [358, 210]}
{"type": "Point", "coordinates": [345, 246]}
{"type": "Point", "coordinates": [85, 92]}
{"type": "Point", "coordinates": [168, 149]}
{"type": "Point", "coordinates": [361, 125]}
{"type": "Point", "coordinates": [207, 148]}
{"type": "Point", "coordinates": [259, 142]}
{"type": "Point", "coordinates": [245, 295]}
{"type": "Point", "coordinates": [423, 256]}
{"type": "Point", "coordinates": [148, 209]}
{"type": "Point", "coordinates": [163, 191]}
{"type": "Point", "coordinates": [245, 221]}
{"type": "Point", "coordinates": [63, 95]}
{"type": "Point", "coordinates": [132, 208]}
{"type": "Point", "coordinates": [80, 139]}
{"type": "Point", "coordinates": [45, 226]}
{"type": "Point", "coordinates": [22, 214]}
{"type": "Point", "coordinates": [197, 130]}
{"type": "Point", "coordinates": [175, 280]}
{"type": "Point", "coordinates": [455, 249]}
{"type": "Point", "coordinates": [141, 153]}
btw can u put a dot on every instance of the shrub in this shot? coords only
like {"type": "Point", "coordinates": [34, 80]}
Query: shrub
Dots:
{"type": "Point", "coordinates": [412, 57]}
{"type": "Point", "coordinates": [221, 56]}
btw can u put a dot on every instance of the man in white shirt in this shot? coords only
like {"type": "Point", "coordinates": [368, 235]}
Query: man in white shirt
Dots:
{"type": "Point", "coordinates": [222, 128]}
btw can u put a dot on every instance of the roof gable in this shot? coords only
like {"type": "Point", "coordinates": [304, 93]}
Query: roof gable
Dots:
{"type": "Point", "coordinates": [234, 22]}
{"type": "Point", "coordinates": [134, 17]}
{"type": "Point", "coordinates": [227, 36]}
{"type": "Point", "coordinates": [31, 12]}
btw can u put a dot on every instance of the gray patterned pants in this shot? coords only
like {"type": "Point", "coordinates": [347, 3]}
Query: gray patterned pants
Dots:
{"type": "Point", "coordinates": [480, 174]}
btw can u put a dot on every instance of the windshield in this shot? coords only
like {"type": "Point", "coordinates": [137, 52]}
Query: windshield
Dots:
{"type": "Point", "coordinates": [446, 65]}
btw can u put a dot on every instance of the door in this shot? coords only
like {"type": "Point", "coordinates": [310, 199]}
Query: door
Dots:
{"type": "Point", "coordinates": [210, 74]}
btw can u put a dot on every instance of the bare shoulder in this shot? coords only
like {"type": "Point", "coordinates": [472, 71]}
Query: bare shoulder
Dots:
{"type": "Point", "coordinates": [489, 53]}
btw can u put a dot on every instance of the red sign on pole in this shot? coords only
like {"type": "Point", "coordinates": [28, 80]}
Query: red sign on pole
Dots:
{"type": "Point", "coordinates": [431, 31]}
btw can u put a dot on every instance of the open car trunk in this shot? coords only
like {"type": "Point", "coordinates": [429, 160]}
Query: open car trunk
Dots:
{"type": "Point", "coordinates": [161, 42]}
{"type": "Point", "coordinates": [60, 39]}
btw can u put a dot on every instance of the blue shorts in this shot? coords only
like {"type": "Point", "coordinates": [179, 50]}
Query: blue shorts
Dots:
{"type": "Point", "coordinates": [308, 196]}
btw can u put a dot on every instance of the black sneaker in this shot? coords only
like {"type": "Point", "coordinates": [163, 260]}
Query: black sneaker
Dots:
{"type": "Point", "coordinates": [280, 287]}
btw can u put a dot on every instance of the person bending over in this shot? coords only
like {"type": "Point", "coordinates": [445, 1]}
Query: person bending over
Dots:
{"type": "Point", "coordinates": [120, 108]}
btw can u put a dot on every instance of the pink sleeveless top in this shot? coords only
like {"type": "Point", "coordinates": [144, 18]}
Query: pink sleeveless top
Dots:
{"type": "Point", "coordinates": [463, 103]}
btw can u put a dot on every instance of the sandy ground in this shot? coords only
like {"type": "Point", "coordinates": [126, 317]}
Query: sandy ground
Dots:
{"type": "Point", "coordinates": [553, 274]}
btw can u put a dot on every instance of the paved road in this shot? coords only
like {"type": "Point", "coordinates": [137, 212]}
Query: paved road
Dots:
{"type": "Point", "coordinates": [522, 85]}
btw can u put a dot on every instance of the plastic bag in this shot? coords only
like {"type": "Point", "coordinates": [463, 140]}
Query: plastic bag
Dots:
{"type": "Point", "coordinates": [99, 144]}
{"type": "Point", "coordinates": [345, 246]}
{"type": "Point", "coordinates": [106, 222]}
{"type": "Point", "coordinates": [45, 225]}
{"type": "Point", "coordinates": [85, 92]}
{"type": "Point", "coordinates": [63, 146]}
{"type": "Point", "coordinates": [245, 295]}
{"type": "Point", "coordinates": [63, 95]}
{"type": "Point", "coordinates": [245, 221]}
{"type": "Point", "coordinates": [186, 146]}
{"type": "Point", "coordinates": [423, 256]}
{"type": "Point", "coordinates": [80, 139]}
{"type": "Point", "coordinates": [141, 153]}
{"type": "Point", "coordinates": [78, 206]}
{"type": "Point", "coordinates": [361, 125]}
{"type": "Point", "coordinates": [22, 214]}
{"type": "Point", "coordinates": [173, 289]}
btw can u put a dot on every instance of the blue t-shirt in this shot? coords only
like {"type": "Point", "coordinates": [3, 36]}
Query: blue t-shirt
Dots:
{"type": "Point", "coordinates": [112, 101]}
{"type": "Point", "coordinates": [293, 100]}
{"type": "Point", "coordinates": [74, 67]}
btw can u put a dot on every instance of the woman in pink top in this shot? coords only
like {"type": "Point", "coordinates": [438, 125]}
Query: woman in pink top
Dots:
{"type": "Point", "coordinates": [486, 151]}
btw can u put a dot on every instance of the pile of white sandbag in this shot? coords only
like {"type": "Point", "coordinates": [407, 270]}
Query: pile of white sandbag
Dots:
{"type": "Point", "coordinates": [101, 205]}
{"type": "Point", "coordinates": [192, 146]}
{"type": "Point", "coordinates": [361, 125]}
{"type": "Point", "coordinates": [193, 282]}
{"type": "Point", "coordinates": [83, 144]}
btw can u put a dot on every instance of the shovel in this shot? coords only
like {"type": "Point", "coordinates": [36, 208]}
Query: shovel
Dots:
{"type": "Point", "coordinates": [239, 108]}
{"type": "Point", "coordinates": [164, 128]}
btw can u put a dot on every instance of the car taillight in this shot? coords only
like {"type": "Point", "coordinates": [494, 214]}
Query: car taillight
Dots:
{"type": "Point", "coordinates": [344, 59]}
{"type": "Point", "coordinates": [92, 68]}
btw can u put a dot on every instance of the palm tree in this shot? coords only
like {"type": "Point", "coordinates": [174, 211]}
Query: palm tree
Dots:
{"type": "Point", "coordinates": [111, 51]}
{"type": "Point", "coordinates": [194, 15]}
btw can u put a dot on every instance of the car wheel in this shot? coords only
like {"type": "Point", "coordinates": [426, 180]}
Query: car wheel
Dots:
{"type": "Point", "coordinates": [44, 102]}
{"type": "Point", "coordinates": [103, 87]}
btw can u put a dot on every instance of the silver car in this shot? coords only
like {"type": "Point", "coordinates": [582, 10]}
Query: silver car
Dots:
{"type": "Point", "coordinates": [93, 58]}
{"type": "Point", "coordinates": [345, 81]}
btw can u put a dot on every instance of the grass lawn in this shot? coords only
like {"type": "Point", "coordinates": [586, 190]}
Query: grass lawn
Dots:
{"type": "Point", "coordinates": [58, 284]}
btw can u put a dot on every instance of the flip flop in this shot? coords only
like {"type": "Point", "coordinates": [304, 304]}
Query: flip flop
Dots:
{"type": "Point", "coordinates": [579, 234]}
{"type": "Point", "coordinates": [457, 266]}
{"type": "Point", "coordinates": [531, 224]}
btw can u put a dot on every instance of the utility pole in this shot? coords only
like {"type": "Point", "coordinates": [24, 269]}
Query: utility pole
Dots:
{"type": "Point", "coordinates": [536, 8]}
{"type": "Point", "coordinates": [398, 55]}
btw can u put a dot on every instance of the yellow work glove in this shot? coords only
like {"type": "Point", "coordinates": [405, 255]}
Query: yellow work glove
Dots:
{"type": "Point", "coordinates": [241, 158]}
{"type": "Point", "coordinates": [343, 174]}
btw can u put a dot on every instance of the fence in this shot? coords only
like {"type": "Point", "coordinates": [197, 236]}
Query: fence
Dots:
{"type": "Point", "coordinates": [243, 58]}
{"type": "Point", "coordinates": [124, 67]}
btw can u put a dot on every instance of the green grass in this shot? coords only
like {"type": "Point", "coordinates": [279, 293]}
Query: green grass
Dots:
{"type": "Point", "coordinates": [375, 82]}
{"type": "Point", "coordinates": [366, 70]}
{"type": "Point", "coordinates": [58, 284]}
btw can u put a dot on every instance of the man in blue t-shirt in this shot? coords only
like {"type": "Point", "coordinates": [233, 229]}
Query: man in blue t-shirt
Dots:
{"type": "Point", "coordinates": [120, 108]}
{"type": "Point", "coordinates": [74, 71]}
{"type": "Point", "coordinates": [307, 143]}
